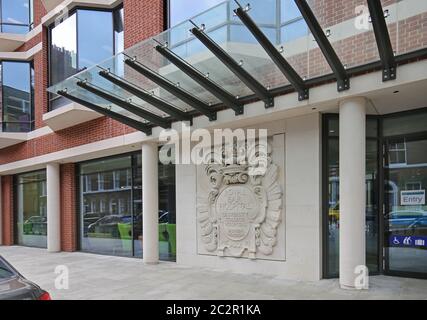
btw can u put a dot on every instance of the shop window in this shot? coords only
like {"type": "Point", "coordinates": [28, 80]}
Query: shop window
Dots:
{"type": "Point", "coordinates": [111, 213]}
{"type": "Point", "coordinates": [31, 212]}
{"type": "Point", "coordinates": [332, 207]}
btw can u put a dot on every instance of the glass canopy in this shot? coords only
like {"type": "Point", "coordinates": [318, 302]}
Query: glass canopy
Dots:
{"type": "Point", "coordinates": [222, 56]}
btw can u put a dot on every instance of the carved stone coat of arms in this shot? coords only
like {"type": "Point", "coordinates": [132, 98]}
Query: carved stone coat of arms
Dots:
{"type": "Point", "coordinates": [241, 213]}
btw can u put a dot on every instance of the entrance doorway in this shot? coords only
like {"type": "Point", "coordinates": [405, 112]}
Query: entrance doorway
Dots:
{"type": "Point", "coordinates": [396, 187]}
{"type": "Point", "coordinates": [405, 209]}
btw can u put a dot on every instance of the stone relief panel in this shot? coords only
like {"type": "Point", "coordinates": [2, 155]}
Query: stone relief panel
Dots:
{"type": "Point", "coordinates": [240, 214]}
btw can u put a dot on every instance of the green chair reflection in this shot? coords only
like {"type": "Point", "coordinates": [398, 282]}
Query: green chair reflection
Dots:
{"type": "Point", "coordinates": [125, 231]}
{"type": "Point", "coordinates": [172, 238]}
{"type": "Point", "coordinates": [167, 233]}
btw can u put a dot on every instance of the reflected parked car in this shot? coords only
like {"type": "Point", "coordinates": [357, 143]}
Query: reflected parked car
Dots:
{"type": "Point", "coordinates": [106, 226]}
{"type": "Point", "coordinates": [409, 226]}
{"type": "Point", "coordinates": [13, 286]}
{"type": "Point", "coordinates": [35, 225]}
{"type": "Point", "coordinates": [91, 217]}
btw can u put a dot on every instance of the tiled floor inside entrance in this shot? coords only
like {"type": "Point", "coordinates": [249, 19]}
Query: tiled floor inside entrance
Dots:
{"type": "Point", "coordinates": [104, 277]}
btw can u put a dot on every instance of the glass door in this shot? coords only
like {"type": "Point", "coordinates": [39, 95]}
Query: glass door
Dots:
{"type": "Point", "coordinates": [405, 207]}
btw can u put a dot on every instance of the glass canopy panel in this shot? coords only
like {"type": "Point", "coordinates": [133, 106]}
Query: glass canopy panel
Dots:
{"type": "Point", "coordinates": [294, 37]}
{"type": "Point", "coordinates": [226, 30]}
{"type": "Point", "coordinates": [282, 23]}
{"type": "Point", "coordinates": [348, 27]}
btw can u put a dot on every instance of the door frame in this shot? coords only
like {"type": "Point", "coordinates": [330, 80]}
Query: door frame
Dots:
{"type": "Point", "coordinates": [385, 267]}
{"type": "Point", "coordinates": [382, 250]}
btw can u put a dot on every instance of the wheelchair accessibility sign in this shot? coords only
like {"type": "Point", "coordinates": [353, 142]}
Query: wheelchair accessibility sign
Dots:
{"type": "Point", "coordinates": [408, 241]}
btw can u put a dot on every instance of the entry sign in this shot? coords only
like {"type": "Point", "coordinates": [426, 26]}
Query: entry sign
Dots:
{"type": "Point", "coordinates": [408, 241]}
{"type": "Point", "coordinates": [413, 198]}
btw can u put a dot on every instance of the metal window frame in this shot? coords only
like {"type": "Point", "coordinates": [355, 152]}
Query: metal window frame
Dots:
{"type": "Point", "coordinates": [383, 263]}
{"type": "Point", "coordinates": [30, 24]}
{"type": "Point", "coordinates": [32, 109]}
{"type": "Point", "coordinates": [16, 184]}
{"type": "Point", "coordinates": [75, 10]}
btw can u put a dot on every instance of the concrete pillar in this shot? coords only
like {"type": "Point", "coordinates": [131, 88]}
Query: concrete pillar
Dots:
{"type": "Point", "coordinates": [352, 169]}
{"type": "Point", "coordinates": [150, 203]}
{"type": "Point", "coordinates": [53, 207]}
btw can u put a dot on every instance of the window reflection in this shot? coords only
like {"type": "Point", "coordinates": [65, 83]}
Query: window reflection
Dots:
{"type": "Point", "coordinates": [280, 20]}
{"type": "Point", "coordinates": [85, 38]}
{"type": "Point", "coordinates": [16, 16]}
{"type": "Point", "coordinates": [64, 50]}
{"type": "Point", "coordinates": [94, 49]}
{"type": "Point", "coordinates": [181, 10]}
{"type": "Point", "coordinates": [119, 40]}
{"type": "Point", "coordinates": [31, 222]}
{"type": "Point", "coordinates": [17, 92]}
{"type": "Point", "coordinates": [406, 209]}
{"type": "Point", "coordinates": [111, 207]}
{"type": "Point", "coordinates": [333, 205]}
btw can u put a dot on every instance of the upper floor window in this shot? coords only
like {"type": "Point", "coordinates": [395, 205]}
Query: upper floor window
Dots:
{"type": "Point", "coordinates": [82, 40]}
{"type": "Point", "coordinates": [280, 20]}
{"type": "Point", "coordinates": [292, 24]}
{"type": "Point", "coordinates": [181, 10]}
{"type": "Point", "coordinates": [17, 96]}
{"type": "Point", "coordinates": [16, 16]}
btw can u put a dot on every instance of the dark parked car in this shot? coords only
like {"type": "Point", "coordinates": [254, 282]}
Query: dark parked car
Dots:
{"type": "Point", "coordinates": [13, 286]}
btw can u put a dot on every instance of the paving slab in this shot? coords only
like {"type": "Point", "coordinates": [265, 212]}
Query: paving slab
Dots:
{"type": "Point", "coordinates": [105, 277]}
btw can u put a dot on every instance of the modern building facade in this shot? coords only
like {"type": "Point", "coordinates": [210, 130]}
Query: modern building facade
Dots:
{"type": "Point", "coordinates": [89, 88]}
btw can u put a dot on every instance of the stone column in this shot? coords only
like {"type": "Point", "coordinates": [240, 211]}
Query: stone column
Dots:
{"type": "Point", "coordinates": [150, 203]}
{"type": "Point", "coordinates": [53, 208]}
{"type": "Point", "coordinates": [352, 162]}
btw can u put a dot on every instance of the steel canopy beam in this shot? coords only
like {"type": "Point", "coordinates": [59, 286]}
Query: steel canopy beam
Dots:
{"type": "Point", "coordinates": [169, 86]}
{"type": "Point", "coordinates": [113, 115]}
{"type": "Point", "coordinates": [293, 77]}
{"type": "Point", "coordinates": [147, 97]}
{"type": "Point", "coordinates": [383, 40]}
{"type": "Point", "coordinates": [260, 91]}
{"type": "Point", "coordinates": [226, 98]}
{"type": "Point", "coordinates": [324, 45]}
{"type": "Point", "coordinates": [158, 121]}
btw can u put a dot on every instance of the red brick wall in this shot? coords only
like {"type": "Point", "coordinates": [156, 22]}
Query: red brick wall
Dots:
{"type": "Point", "coordinates": [7, 209]}
{"type": "Point", "coordinates": [39, 12]}
{"type": "Point", "coordinates": [68, 208]}
{"type": "Point", "coordinates": [92, 131]}
{"type": "Point", "coordinates": [143, 19]}
{"type": "Point", "coordinates": [41, 80]}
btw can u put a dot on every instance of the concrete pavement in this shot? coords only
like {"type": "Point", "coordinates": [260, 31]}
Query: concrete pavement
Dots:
{"type": "Point", "coordinates": [104, 277]}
